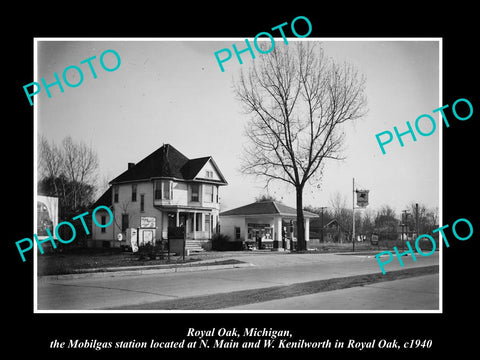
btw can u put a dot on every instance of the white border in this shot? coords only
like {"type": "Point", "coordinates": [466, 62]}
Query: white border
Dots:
{"type": "Point", "coordinates": [35, 144]}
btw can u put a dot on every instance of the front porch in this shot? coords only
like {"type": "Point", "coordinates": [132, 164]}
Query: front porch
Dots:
{"type": "Point", "coordinates": [199, 224]}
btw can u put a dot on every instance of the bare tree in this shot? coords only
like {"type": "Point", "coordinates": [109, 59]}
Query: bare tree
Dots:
{"type": "Point", "coordinates": [427, 218]}
{"type": "Point", "coordinates": [386, 221]}
{"type": "Point", "coordinates": [68, 172]}
{"type": "Point", "coordinates": [298, 99]}
{"type": "Point", "coordinates": [50, 161]}
{"type": "Point", "coordinates": [341, 211]}
{"type": "Point", "coordinates": [265, 197]}
{"type": "Point", "coordinates": [80, 163]}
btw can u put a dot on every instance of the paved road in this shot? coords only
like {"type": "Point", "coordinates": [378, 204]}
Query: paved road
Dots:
{"type": "Point", "coordinates": [417, 293]}
{"type": "Point", "coordinates": [268, 270]}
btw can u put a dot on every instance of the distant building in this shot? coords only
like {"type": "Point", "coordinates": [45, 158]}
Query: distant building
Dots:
{"type": "Point", "coordinates": [165, 189]}
{"type": "Point", "coordinates": [334, 232]}
{"type": "Point", "coordinates": [268, 223]}
{"type": "Point", "coordinates": [47, 215]}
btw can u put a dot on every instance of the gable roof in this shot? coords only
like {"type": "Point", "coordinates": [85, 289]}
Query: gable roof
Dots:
{"type": "Point", "coordinates": [266, 208]}
{"type": "Point", "coordinates": [193, 166]}
{"type": "Point", "coordinates": [105, 199]}
{"type": "Point", "coordinates": [334, 221]}
{"type": "Point", "coordinates": [166, 162]}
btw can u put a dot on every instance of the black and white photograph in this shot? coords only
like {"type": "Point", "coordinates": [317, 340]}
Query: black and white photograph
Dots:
{"type": "Point", "coordinates": [240, 189]}
{"type": "Point", "coordinates": [219, 183]}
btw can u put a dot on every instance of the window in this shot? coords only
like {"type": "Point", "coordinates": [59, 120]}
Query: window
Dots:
{"type": "Point", "coordinates": [195, 191]}
{"type": "Point", "coordinates": [207, 222]}
{"type": "Point", "coordinates": [163, 190]}
{"type": "Point", "coordinates": [158, 190]}
{"type": "Point", "coordinates": [209, 193]}
{"type": "Point", "coordinates": [115, 193]}
{"type": "Point", "coordinates": [142, 202]}
{"type": "Point", "coordinates": [134, 192]}
{"type": "Point", "coordinates": [167, 190]}
{"type": "Point", "coordinates": [198, 222]}
{"type": "Point", "coordinates": [209, 174]}
{"type": "Point", "coordinates": [124, 222]}
{"type": "Point", "coordinates": [102, 222]}
{"type": "Point", "coordinates": [217, 194]}
{"type": "Point", "coordinates": [237, 233]}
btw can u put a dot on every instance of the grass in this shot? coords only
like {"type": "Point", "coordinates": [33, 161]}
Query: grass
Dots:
{"type": "Point", "coordinates": [97, 259]}
{"type": "Point", "coordinates": [73, 260]}
{"type": "Point", "coordinates": [82, 259]}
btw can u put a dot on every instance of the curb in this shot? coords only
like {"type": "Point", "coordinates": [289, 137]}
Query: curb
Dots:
{"type": "Point", "coordinates": [105, 274]}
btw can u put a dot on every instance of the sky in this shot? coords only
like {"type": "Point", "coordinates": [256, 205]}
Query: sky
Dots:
{"type": "Point", "coordinates": [173, 91]}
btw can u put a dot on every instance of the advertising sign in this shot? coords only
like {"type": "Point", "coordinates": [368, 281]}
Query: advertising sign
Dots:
{"type": "Point", "coordinates": [147, 222]}
{"type": "Point", "coordinates": [362, 198]}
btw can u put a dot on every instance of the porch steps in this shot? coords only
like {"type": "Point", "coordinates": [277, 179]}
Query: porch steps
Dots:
{"type": "Point", "coordinates": [193, 246]}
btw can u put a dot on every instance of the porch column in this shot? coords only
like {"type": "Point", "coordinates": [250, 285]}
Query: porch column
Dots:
{"type": "Point", "coordinates": [177, 220]}
{"type": "Point", "coordinates": [278, 231]}
{"type": "Point", "coordinates": [194, 224]}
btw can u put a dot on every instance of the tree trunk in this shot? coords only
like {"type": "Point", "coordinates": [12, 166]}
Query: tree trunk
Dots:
{"type": "Point", "coordinates": [301, 243]}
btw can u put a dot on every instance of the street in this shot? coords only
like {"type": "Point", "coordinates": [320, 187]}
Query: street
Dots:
{"type": "Point", "coordinates": [416, 293]}
{"type": "Point", "coordinates": [269, 271]}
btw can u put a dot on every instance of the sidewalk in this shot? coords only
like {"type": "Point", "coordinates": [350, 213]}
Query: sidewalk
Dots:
{"type": "Point", "coordinates": [263, 277]}
{"type": "Point", "coordinates": [202, 265]}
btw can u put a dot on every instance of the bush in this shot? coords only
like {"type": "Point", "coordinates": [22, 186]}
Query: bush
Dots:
{"type": "Point", "coordinates": [149, 251]}
{"type": "Point", "coordinates": [221, 242]}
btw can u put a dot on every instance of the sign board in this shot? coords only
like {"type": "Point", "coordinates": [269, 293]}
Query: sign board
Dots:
{"type": "Point", "coordinates": [134, 245]}
{"type": "Point", "coordinates": [147, 222]}
{"type": "Point", "coordinates": [362, 198]}
{"type": "Point", "coordinates": [132, 236]}
{"type": "Point", "coordinates": [146, 236]}
{"type": "Point", "coordinates": [258, 226]}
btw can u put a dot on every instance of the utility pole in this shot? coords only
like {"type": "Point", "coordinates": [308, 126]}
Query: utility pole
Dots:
{"type": "Point", "coordinates": [416, 219]}
{"type": "Point", "coordinates": [404, 225]}
{"type": "Point", "coordinates": [353, 212]}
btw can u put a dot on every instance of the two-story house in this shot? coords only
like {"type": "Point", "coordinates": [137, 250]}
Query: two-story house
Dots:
{"type": "Point", "coordinates": [165, 189]}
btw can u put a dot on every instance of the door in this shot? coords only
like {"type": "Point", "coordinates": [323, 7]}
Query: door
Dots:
{"type": "Point", "coordinates": [146, 236]}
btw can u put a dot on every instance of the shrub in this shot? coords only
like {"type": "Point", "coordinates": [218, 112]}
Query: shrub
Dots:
{"type": "Point", "coordinates": [221, 242]}
{"type": "Point", "coordinates": [149, 251]}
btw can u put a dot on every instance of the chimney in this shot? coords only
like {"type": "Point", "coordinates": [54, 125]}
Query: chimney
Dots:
{"type": "Point", "coordinates": [130, 165]}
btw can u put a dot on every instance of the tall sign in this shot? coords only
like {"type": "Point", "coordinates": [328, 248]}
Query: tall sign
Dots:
{"type": "Point", "coordinates": [362, 198]}
{"type": "Point", "coordinates": [362, 202]}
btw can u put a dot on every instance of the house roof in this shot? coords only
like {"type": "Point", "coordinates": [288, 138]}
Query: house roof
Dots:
{"type": "Point", "coordinates": [266, 208]}
{"type": "Point", "coordinates": [335, 221]}
{"type": "Point", "coordinates": [166, 162]}
{"type": "Point", "coordinates": [105, 199]}
{"type": "Point", "coordinates": [193, 166]}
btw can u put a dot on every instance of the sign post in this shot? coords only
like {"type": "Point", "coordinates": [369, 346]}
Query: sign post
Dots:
{"type": "Point", "coordinates": [362, 202]}
{"type": "Point", "coordinates": [353, 216]}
